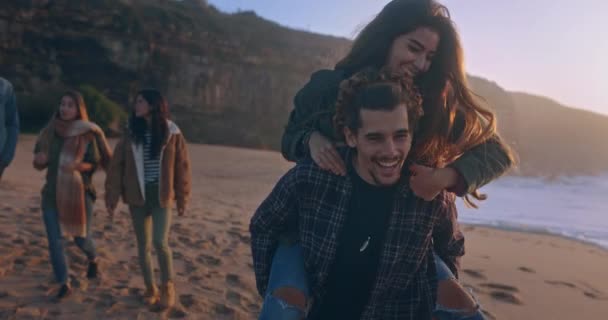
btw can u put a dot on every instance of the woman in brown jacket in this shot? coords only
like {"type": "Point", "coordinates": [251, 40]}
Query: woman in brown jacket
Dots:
{"type": "Point", "coordinates": [151, 168]}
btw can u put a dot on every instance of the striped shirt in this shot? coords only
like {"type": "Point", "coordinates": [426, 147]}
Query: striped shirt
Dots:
{"type": "Point", "coordinates": [151, 162]}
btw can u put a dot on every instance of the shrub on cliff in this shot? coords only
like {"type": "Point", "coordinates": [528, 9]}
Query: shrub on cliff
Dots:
{"type": "Point", "coordinates": [103, 111]}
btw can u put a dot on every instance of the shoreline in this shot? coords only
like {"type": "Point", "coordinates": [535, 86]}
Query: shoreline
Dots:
{"type": "Point", "coordinates": [534, 231]}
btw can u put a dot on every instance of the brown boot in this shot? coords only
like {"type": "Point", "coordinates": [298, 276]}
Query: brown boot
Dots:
{"type": "Point", "coordinates": [167, 295]}
{"type": "Point", "coordinates": [151, 296]}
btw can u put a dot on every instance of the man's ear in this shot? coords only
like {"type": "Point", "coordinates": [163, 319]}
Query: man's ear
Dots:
{"type": "Point", "coordinates": [350, 137]}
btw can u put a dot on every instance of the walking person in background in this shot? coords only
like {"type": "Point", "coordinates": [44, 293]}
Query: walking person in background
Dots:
{"type": "Point", "coordinates": [70, 148]}
{"type": "Point", "coordinates": [151, 169]}
{"type": "Point", "coordinates": [9, 124]}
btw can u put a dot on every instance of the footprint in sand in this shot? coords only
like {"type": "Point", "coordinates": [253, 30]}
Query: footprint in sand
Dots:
{"type": "Point", "coordinates": [595, 296]}
{"type": "Point", "coordinates": [177, 313]}
{"type": "Point", "coordinates": [88, 300]}
{"type": "Point", "coordinates": [561, 283]}
{"type": "Point", "coordinates": [135, 291]}
{"type": "Point", "coordinates": [239, 234]}
{"type": "Point", "coordinates": [526, 269]}
{"type": "Point", "coordinates": [35, 252]}
{"type": "Point", "coordinates": [35, 243]}
{"type": "Point", "coordinates": [477, 274]}
{"type": "Point", "coordinates": [209, 260]}
{"type": "Point", "coordinates": [254, 308]}
{"type": "Point", "coordinates": [220, 222]}
{"type": "Point", "coordinates": [185, 240]}
{"type": "Point", "coordinates": [177, 255]}
{"type": "Point", "coordinates": [507, 297]}
{"type": "Point", "coordinates": [223, 310]}
{"type": "Point", "coordinates": [120, 286]}
{"type": "Point", "coordinates": [187, 300]}
{"type": "Point", "coordinates": [43, 287]}
{"type": "Point", "coordinates": [590, 292]}
{"type": "Point", "coordinates": [233, 280]}
{"type": "Point", "coordinates": [552, 244]}
{"type": "Point", "coordinates": [499, 286]}
{"type": "Point", "coordinates": [190, 268]}
{"type": "Point", "coordinates": [233, 297]}
{"type": "Point", "coordinates": [6, 294]}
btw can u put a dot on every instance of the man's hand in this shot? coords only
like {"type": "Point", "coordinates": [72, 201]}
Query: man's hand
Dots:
{"type": "Point", "coordinates": [41, 159]}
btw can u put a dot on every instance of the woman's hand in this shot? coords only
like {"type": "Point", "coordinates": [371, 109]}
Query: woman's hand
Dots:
{"type": "Point", "coordinates": [40, 159]}
{"type": "Point", "coordinates": [324, 154]}
{"type": "Point", "coordinates": [427, 182]}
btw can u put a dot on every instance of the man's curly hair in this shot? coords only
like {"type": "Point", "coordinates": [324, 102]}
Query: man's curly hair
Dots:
{"type": "Point", "coordinates": [373, 89]}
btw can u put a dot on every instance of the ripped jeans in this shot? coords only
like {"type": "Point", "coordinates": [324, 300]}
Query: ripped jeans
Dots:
{"type": "Point", "coordinates": [288, 270]}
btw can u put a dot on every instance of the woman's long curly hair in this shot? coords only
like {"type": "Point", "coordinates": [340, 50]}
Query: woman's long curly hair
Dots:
{"type": "Point", "coordinates": [443, 87]}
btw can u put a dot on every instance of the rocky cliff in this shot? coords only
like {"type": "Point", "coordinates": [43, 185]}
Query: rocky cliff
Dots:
{"type": "Point", "coordinates": [230, 78]}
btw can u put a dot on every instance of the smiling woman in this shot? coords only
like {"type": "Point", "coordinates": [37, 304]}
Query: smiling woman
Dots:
{"type": "Point", "coordinates": [416, 39]}
{"type": "Point", "coordinates": [411, 54]}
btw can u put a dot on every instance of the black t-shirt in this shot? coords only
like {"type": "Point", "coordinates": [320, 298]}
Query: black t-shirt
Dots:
{"type": "Point", "coordinates": [360, 244]}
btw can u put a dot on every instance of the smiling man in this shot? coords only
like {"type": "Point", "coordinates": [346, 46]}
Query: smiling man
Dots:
{"type": "Point", "coordinates": [366, 239]}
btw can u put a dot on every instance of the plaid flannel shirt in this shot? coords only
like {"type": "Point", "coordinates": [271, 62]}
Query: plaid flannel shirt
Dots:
{"type": "Point", "coordinates": [314, 203]}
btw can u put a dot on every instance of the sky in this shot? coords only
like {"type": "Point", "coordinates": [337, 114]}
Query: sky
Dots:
{"type": "Point", "coordinates": [554, 48]}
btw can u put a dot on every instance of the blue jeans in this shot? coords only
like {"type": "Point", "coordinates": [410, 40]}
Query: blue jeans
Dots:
{"type": "Point", "coordinates": [444, 313]}
{"type": "Point", "coordinates": [288, 270]}
{"type": "Point", "coordinates": [55, 239]}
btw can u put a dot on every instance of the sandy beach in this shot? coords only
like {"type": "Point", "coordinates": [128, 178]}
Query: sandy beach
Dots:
{"type": "Point", "coordinates": [515, 275]}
